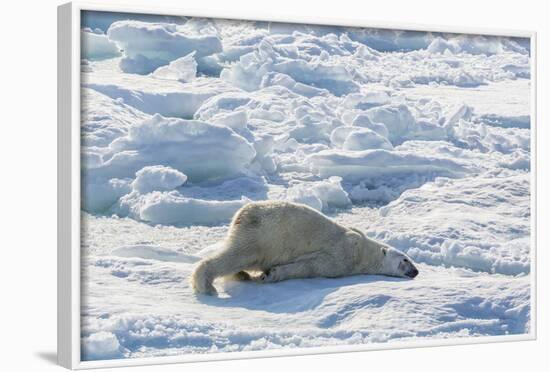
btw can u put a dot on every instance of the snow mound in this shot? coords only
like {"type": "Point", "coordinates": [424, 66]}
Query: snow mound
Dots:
{"type": "Point", "coordinates": [284, 80]}
{"type": "Point", "coordinates": [151, 95]}
{"type": "Point", "coordinates": [154, 253]}
{"type": "Point", "coordinates": [96, 46]}
{"type": "Point", "coordinates": [389, 40]}
{"type": "Point", "coordinates": [104, 119]}
{"type": "Point", "coordinates": [148, 46]}
{"type": "Point", "coordinates": [157, 178]}
{"type": "Point", "coordinates": [365, 139]}
{"type": "Point", "coordinates": [364, 101]}
{"type": "Point", "coordinates": [172, 208]}
{"type": "Point", "coordinates": [475, 45]}
{"type": "Point", "coordinates": [183, 69]}
{"type": "Point", "coordinates": [321, 195]}
{"type": "Point", "coordinates": [185, 145]}
{"type": "Point", "coordinates": [98, 195]}
{"type": "Point", "coordinates": [396, 119]}
{"type": "Point", "coordinates": [102, 20]}
{"type": "Point", "coordinates": [101, 345]}
{"type": "Point", "coordinates": [158, 198]}
{"type": "Point", "coordinates": [376, 164]}
{"type": "Point", "coordinates": [463, 223]}
{"type": "Point", "coordinates": [249, 72]}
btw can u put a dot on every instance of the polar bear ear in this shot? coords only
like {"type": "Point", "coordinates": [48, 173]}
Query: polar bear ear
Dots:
{"type": "Point", "coordinates": [357, 231]}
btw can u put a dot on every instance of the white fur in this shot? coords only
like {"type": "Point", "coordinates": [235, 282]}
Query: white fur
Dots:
{"type": "Point", "coordinates": [285, 240]}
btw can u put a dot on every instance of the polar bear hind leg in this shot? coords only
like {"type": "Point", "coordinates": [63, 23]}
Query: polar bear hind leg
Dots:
{"type": "Point", "coordinates": [227, 263]}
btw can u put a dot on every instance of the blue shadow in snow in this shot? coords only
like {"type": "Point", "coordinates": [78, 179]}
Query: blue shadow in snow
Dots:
{"type": "Point", "coordinates": [293, 296]}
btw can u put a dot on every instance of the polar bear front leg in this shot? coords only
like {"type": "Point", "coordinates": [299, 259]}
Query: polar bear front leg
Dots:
{"type": "Point", "coordinates": [300, 269]}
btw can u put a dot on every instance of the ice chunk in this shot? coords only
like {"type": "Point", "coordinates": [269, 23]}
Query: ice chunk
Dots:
{"type": "Point", "coordinates": [366, 101]}
{"type": "Point", "coordinates": [170, 208]}
{"type": "Point", "coordinates": [251, 69]}
{"type": "Point", "coordinates": [183, 69]}
{"type": "Point", "coordinates": [274, 78]}
{"type": "Point", "coordinates": [98, 195]}
{"type": "Point", "coordinates": [148, 46]}
{"type": "Point", "coordinates": [338, 135]}
{"type": "Point", "coordinates": [226, 103]}
{"type": "Point", "coordinates": [365, 139]}
{"type": "Point", "coordinates": [358, 139]}
{"type": "Point", "coordinates": [95, 46]}
{"type": "Point", "coordinates": [390, 40]}
{"type": "Point", "coordinates": [102, 20]}
{"type": "Point", "coordinates": [155, 199]}
{"type": "Point", "coordinates": [355, 166]}
{"type": "Point", "coordinates": [104, 119]}
{"type": "Point", "coordinates": [321, 195]}
{"type": "Point", "coordinates": [475, 45]}
{"type": "Point", "coordinates": [157, 178]}
{"type": "Point", "coordinates": [440, 45]}
{"type": "Point", "coordinates": [397, 119]}
{"type": "Point", "coordinates": [200, 150]}
{"type": "Point", "coordinates": [151, 95]}
{"type": "Point", "coordinates": [235, 120]}
{"type": "Point", "coordinates": [363, 120]}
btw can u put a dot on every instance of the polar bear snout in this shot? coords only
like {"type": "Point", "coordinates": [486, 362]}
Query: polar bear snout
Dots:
{"type": "Point", "coordinates": [406, 266]}
{"type": "Point", "coordinates": [397, 263]}
{"type": "Point", "coordinates": [412, 273]}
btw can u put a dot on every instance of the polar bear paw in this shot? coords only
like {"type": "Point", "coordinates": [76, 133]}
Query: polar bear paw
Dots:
{"type": "Point", "coordinates": [270, 275]}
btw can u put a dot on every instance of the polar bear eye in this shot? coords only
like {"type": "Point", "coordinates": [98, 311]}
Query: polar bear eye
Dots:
{"type": "Point", "coordinates": [405, 260]}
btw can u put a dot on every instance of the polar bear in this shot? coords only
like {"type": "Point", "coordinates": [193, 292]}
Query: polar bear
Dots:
{"type": "Point", "coordinates": [283, 240]}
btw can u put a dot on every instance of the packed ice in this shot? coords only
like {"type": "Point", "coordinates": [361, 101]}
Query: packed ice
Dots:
{"type": "Point", "coordinates": [422, 140]}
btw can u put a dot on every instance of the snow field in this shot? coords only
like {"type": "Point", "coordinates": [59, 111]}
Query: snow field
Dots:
{"type": "Point", "coordinates": [421, 140]}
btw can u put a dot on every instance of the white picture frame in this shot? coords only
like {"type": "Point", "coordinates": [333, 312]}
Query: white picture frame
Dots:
{"type": "Point", "coordinates": [69, 185]}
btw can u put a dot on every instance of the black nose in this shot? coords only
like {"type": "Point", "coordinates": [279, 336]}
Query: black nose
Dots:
{"type": "Point", "coordinates": [413, 273]}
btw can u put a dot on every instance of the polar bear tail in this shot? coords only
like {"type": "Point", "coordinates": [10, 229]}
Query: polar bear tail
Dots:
{"type": "Point", "coordinates": [203, 278]}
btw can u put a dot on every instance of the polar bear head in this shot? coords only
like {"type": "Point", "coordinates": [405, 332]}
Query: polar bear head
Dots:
{"type": "Point", "coordinates": [377, 258]}
{"type": "Point", "coordinates": [397, 263]}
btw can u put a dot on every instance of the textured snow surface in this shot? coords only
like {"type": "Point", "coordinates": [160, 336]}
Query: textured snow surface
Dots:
{"type": "Point", "coordinates": [422, 140]}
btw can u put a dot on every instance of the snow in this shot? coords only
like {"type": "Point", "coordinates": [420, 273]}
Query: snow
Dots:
{"type": "Point", "coordinates": [421, 140]}
{"type": "Point", "coordinates": [351, 310]}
